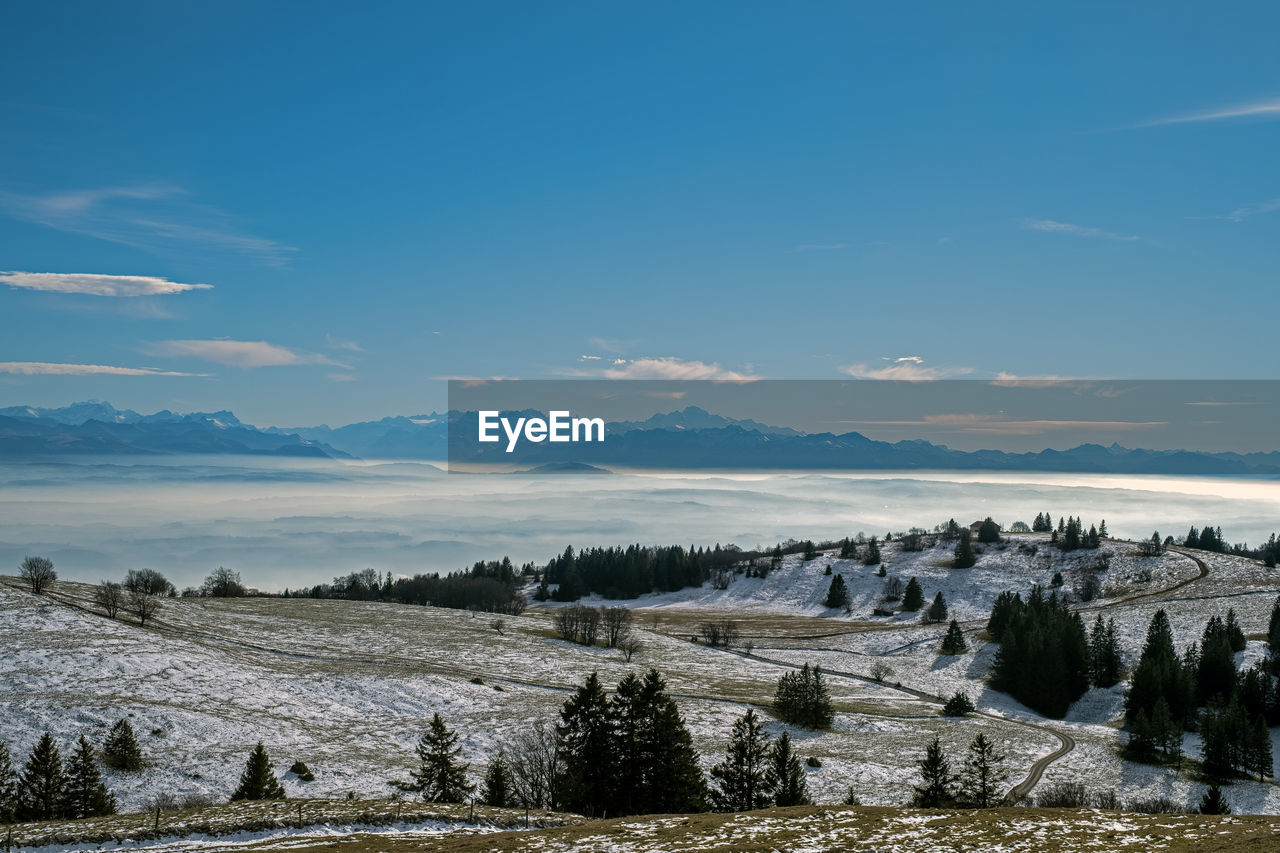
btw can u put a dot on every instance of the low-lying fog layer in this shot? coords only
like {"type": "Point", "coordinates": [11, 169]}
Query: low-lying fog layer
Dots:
{"type": "Point", "coordinates": [295, 523]}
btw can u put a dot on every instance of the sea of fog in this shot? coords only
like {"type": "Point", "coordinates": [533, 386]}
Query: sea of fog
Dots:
{"type": "Point", "coordinates": [289, 523]}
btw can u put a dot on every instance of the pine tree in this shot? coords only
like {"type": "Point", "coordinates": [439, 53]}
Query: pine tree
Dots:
{"type": "Point", "coordinates": [913, 596]}
{"type": "Point", "coordinates": [802, 698]}
{"type": "Point", "coordinates": [937, 611]}
{"type": "Point", "coordinates": [497, 784]}
{"type": "Point", "coordinates": [988, 531]}
{"type": "Point", "coordinates": [982, 775]}
{"type": "Point", "coordinates": [588, 749]}
{"type": "Point", "coordinates": [1235, 634]}
{"type": "Point", "coordinates": [258, 781]}
{"type": "Point", "coordinates": [959, 705]}
{"type": "Point", "coordinates": [953, 643]}
{"type": "Point", "coordinates": [935, 773]}
{"type": "Point", "coordinates": [86, 796]}
{"type": "Point", "coordinates": [1259, 749]}
{"type": "Point", "coordinates": [788, 774]}
{"type": "Point", "coordinates": [440, 777]}
{"type": "Point", "coordinates": [1273, 637]}
{"type": "Point", "coordinates": [42, 788]}
{"type": "Point", "coordinates": [838, 593]}
{"type": "Point", "coordinates": [872, 557]}
{"type": "Point", "coordinates": [1104, 653]}
{"type": "Point", "coordinates": [8, 787]}
{"type": "Point", "coordinates": [743, 781]}
{"type": "Point", "coordinates": [1213, 802]}
{"type": "Point", "coordinates": [675, 780]}
{"type": "Point", "coordinates": [1102, 530]}
{"type": "Point", "coordinates": [964, 556]}
{"type": "Point", "coordinates": [120, 749]}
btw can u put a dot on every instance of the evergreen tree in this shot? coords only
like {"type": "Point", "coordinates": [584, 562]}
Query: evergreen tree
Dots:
{"type": "Point", "coordinates": [982, 775]}
{"type": "Point", "coordinates": [1102, 529]}
{"type": "Point", "coordinates": [676, 783]}
{"type": "Point", "coordinates": [790, 786]}
{"type": "Point", "coordinates": [988, 531]}
{"type": "Point", "coordinates": [120, 749]}
{"type": "Point", "coordinates": [937, 611]}
{"type": "Point", "coordinates": [743, 780]}
{"type": "Point", "coordinates": [938, 781]}
{"type": "Point", "coordinates": [838, 593]}
{"type": "Point", "coordinates": [1259, 749]}
{"type": "Point", "coordinates": [913, 596]}
{"type": "Point", "coordinates": [1217, 671]}
{"type": "Point", "coordinates": [1213, 802]}
{"type": "Point", "coordinates": [587, 748]}
{"type": "Point", "coordinates": [86, 795]}
{"type": "Point", "coordinates": [1043, 659]}
{"type": "Point", "coordinates": [258, 781]}
{"type": "Point", "coordinates": [802, 698]}
{"type": "Point", "coordinates": [1193, 538]}
{"type": "Point", "coordinates": [497, 784]}
{"type": "Point", "coordinates": [959, 705]}
{"type": "Point", "coordinates": [1273, 637]}
{"type": "Point", "coordinates": [1160, 673]}
{"type": "Point", "coordinates": [872, 557]}
{"type": "Point", "coordinates": [953, 643]}
{"type": "Point", "coordinates": [964, 556]}
{"type": "Point", "coordinates": [1104, 653]}
{"type": "Point", "coordinates": [42, 788]}
{"type": "Point", "coordinates": [1235, 634]}
{"type": "Point", "coordinates": [440, 777]}
{"type": "Point", "coordinates": [8, 787]}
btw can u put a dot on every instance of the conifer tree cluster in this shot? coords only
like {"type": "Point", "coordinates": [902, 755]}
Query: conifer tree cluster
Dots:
{"type": "Point", "coordinates": [802, 698]}
{"type": "Point", "coordinates": [48, 789]}
{"type": "Point", "coordinates": [1208, 539]}
{"type": "Point", "coordinates": [1166, 692]}
{"type": "Point", "coordinates": [1071, 535]}
{"type": "Point", "coordinates": [1043, 660]}
{"type": "Point", "coordinates": [627, 754]}
{"type": "Point", "coordinates": [637, 569]}
{"type": "Point", "coordinates": [979, 784]}
{"type": "Point", "coordinates": [1043, 523]}
{"type": "Point", "coordinates": [757, 772]}
{"type": "Point", "coordinates": [965, 558]}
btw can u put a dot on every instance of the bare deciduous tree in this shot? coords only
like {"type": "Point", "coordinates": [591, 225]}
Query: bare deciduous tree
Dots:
{"type": "Point", "coordinates": [881, 670]}
{"type": "Point", "coordinates": [110, 597]}
{"type": "Point", "coordinates": [721, 633]}
{"type": "Point", "coordinates": [534, 761]}
{"type": "Point", "coordinates": [630, 646]}
{"type": "Point", "coordinates": [39, 572]}
{"type": "Point", "coordinates": [223, 583]}
{"type": "Point", "coordinates": [143, 605]}
{"type": "Point", "coordinates": [617, 625]}
{"type": "Point", "coordinates": [148, 582]}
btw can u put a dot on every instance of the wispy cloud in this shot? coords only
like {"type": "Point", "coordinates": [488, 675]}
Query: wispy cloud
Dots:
{"type": "Point", "coordinates": [1055, 227]}
{"type": "Point", "coordinates": [661, 368]}
{"type": "Point", "coordinates": [818, 247]}
{"type": "Point", "coordinates": [907, 367]}
{"type": "Point", "coordinates": [1245, 211]}
{"type": "Point", "coordinates": [608, 345]}
{"type": "Point", "coordinates": [342, 377]}
{"type": "Point", "coordinates": [1269, 109]}
{"type": "Point", "coordinates": [157, 218]}
{"type": "Point", "coordinates": [45, 368]}
{"type": "Point", "coordinates": [94, 284]}
{"type": "Point", "coordinates": [339, 343]}
{"type": "Point", "coordinates": [245, 354]}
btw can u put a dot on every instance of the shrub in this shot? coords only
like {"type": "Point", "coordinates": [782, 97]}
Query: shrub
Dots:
{"type": "Point", "coordinates": [303, 772]}
{"type": "Point", "coordinates": [814, 761]}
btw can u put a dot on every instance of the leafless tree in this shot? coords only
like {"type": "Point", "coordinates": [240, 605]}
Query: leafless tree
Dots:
{"type": "Point", "coordinates": [590, 630]}
{"type": "Point", "coordinates": [143, 605]}
{"type": "Point", "coordinates": [568, 623]}
{"type": "Point", "coordinates": [880, 671]}
{"type": "Point", "coordinates": [617, 625]}
{"type": "Point", "coordinates": [893, 589]}
{"type": "Point", "coordinates": [630, 646]}
{"type": "Point", "coordinates": [148, 582]}
{"type": "Point", "coordinates": [497, 625]}
{"type": "Point", "coordinates": [39, 572]}
{"type": "Point", "coordinates": [110, 597]}
{"type": "Point", "coordinates": [534, 759]}
{"type": "Point", "coordinates": [723, 632]}
{"type": "Point", "coordinates": [223, 583]}
{"type": "Point", "coordinates": [721, 578]}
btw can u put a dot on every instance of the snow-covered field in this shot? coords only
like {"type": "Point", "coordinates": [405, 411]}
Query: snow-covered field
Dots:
{"type": "Point", "coordinates": [348, 686]}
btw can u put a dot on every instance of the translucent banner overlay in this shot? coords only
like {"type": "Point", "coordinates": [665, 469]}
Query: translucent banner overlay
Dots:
{"type": "Point", "coordinates": [1184, 427]}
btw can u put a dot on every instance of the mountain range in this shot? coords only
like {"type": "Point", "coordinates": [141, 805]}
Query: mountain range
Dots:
{"type": "Point", "coordinates": [682, 439]}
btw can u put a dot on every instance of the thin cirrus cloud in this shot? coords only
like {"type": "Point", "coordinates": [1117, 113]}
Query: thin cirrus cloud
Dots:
{"type": "Point", "coordinates": [1269, 109]}
{"type": "Point", "coordinates": [1240, 214]}
{"type": "Point", "coordinates": [94, 284]}
{"type": "Point", "coordinates": [670, 368]}
{"type": "Point", "coordinates": [906, 368]}
{"type": "Point", "coordinates": [245, 354]}
{"type": "Point", "coordinates": [46, 368]}
{"type": "Point", "coordinates": [156, 218]}
{"type": "Point", "coordinates": [1052, 226]}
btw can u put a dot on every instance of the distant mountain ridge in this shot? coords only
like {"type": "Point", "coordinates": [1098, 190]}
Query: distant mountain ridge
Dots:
{"type": "Point", "coordinates": [689, 438]}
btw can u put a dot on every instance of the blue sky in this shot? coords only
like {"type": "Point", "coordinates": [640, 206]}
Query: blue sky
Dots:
{"type": "Point", "coordinates": [382, 195]}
